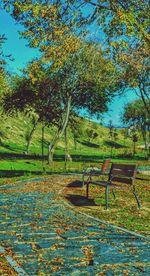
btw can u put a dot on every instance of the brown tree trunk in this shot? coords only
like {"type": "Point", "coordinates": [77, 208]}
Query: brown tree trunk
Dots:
{"type": "Point", "coordinates": [66, 147]}
{"type": "Point", "coordinates": [145, 97]}
{"type": "Point", "coordinates": [30, 136]}
{"type": "Point", "coordinates": [59, 133]}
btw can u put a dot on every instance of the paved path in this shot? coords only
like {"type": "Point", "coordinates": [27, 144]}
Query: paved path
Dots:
{"type": "Point", "coordinates": [47, 237]}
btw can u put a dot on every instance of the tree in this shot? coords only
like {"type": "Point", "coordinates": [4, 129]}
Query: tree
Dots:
{"type": "Point", "coordinates": [34, 92]}
{"type": "Point", "coordinates": [135, 140]}
{"type": "Point", "coordinates": [87, 80]}
{"type": "Point", "coordinates": [91, 134]}
{"type": "Point", "coordinates": [125, 134]}
{"type": "Point", "coordinates": [84, 78]}
{"type": "Point", "coordinates": [113, 135]}
{"type": "Point", "coordinates": [29, 134]}
{"type": "Point", "coordinates": [134, 64]}
{"type": "Point", "coordinates": [74, 125]}
{"type": "Point", "coordinates": [135, 115]}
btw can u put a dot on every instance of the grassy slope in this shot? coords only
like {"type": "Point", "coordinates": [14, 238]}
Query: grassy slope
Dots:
{"type": "Point", "coordinates": [13, 129]}
{"type": "Point", "coordinates": [12, 142]}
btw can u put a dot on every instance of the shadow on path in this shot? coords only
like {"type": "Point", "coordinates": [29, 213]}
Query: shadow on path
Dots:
{"type": "Point", "coordinates": [79, 200]}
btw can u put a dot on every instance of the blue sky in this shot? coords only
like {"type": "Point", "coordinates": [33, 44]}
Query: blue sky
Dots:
{"type": "Point", "coordinates": [14, 45]}
{"type": "Point", "coordinates": [22, 54]}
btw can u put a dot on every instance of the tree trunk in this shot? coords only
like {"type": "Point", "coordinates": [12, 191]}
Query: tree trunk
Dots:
{"type": "Point", "coordinates": [143, 130]}
{"type": "Point", "coordinates": [66, 147]}
{"type": "Point", "coordinates": [30, 136]}
{"type": "Point", "coordinates": [144, 97]}
{"type": "Point", "coordinates": [43, 128]}
{"type": "Point", "coordinates": [133, 148]}
{"type": "Point", "coordinates": [59, 133]}
{"type": "Point", "coordinates": [75, 143]}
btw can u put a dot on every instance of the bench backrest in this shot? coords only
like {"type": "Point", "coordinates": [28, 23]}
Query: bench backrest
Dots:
{"type": "Point", "coordinates": [105, 166]}
{"type": "Point", "coordinates": [123, 173]}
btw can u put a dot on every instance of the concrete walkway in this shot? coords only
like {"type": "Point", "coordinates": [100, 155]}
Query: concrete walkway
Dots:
{"type": "Point", "coordinates": [47, 237]}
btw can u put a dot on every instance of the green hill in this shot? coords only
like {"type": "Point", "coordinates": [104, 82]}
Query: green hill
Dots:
{"type": "Point", "coordinates": [85, 149]}
{"type": "Point", "coordinates": [13, 132]}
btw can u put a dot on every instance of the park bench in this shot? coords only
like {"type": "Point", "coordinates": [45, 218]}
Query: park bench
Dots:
{"type": "Point", "coordinates": [120, 176]}
{"type": "Point", "coordinates": [91, 172]}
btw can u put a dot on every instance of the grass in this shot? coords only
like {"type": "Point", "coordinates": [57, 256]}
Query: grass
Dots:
{"type": "Point", "coordinates": [13, 131]}
{"type": "Point", "coordinates": [13, 145]}
{"type": "Point", "coordinates": [13, 167]}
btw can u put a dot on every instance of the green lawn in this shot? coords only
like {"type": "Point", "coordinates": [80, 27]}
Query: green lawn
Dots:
{"type": "Point", "coordinates": [13, 167]}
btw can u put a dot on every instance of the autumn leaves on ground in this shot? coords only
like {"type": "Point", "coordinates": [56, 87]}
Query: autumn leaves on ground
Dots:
{"type": "Point", "coordinates": [123, 211]}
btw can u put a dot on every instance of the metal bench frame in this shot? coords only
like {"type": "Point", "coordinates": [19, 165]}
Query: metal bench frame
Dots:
{"type": "Point", "coordinates": [96, 172]}
{"type": "Point", "coordinates": [123, 174]}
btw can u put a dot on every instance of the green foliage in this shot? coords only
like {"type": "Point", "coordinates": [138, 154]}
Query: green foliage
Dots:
{"type": "Point", "coordinates": [91, 134]}
{"type": "Point", "coordinates": [138, 118]}
{"type": "Point", "coordinates": [46, 89]}
{"type": "Point", "coordinates": [135, 138]}
{"type": "Point", "coordinates": [51, 25]}
{"type": "Point", "coordinates": [136, 114]}
{"type": "Point", "coordinates": [118, 18]}
{"type": "Point", "coordinates": [3, 57]}
{"type": "Point", "coordinates": [40, 96]}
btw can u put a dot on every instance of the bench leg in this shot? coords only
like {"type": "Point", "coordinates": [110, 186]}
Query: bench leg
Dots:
{"type": "Point", "coordinates": [83, 179]}
{"type": "Point", "coordinates": [106, 196]}
{"type": "Point", "coordinates": [137, 199]}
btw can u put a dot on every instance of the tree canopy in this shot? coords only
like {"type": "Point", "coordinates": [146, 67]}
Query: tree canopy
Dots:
{"type": "Point", "coordinates": [117, 17]}
{"type": "Point", "coordinates": [86, 76]}
{"type": "Point", "coordinates": [135, 113]}
{"type": "Point", "coordinates": [53, 27]}
{"type": "Point", "coordinates": [56, 28]}
{"type": "Point", "coordinates": [40, 96]}
{"type": "Point", "coordinates": [136, 116]}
